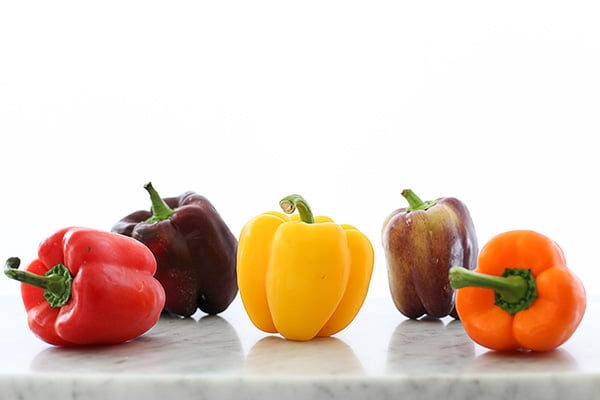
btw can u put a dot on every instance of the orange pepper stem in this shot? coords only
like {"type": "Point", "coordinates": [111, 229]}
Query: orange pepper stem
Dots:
{"type": "Point", "coordinates": [415, 203]}
{"type": "Point", "coordinates": [514, 291]}
{"type": "Point", "coordinates": [290, 203]}
{"type": "Point", "coordinates": [56, 283]}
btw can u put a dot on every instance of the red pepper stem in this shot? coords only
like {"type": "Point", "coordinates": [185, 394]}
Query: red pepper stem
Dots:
{"type": "Point", "coordinates": [515, 290]}
{"type": "Point", "coordinates": [415, 203]}
{"type": "Point", "coordinates": [160, 209]}
{"type": "Point", "coordinates": [290, 203]}
{"type": "Point", "coordinates": [56, 283]}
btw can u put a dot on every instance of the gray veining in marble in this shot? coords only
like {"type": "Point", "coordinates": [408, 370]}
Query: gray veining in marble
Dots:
{"type": "Point", "coordinates": [381, 355]}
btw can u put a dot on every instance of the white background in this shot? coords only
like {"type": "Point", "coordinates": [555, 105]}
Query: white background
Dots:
{"type": "Point", "coordinates": [347, 103]}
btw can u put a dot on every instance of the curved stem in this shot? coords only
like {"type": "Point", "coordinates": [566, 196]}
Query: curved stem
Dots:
{"type": "Point", "coordinates": [290, 203]}
{"type": "Point", "coordinates": [415, 203]}
{"type": "Point", "coordinates": [515, 290]}
{"type": "Point", "coordinates": [56, 282]}
{"type": "Point", "coordinates": [160, 209]}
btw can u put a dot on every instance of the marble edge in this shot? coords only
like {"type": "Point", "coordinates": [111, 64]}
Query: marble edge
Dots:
{"type": "Point", "coordinates": [549, 386]}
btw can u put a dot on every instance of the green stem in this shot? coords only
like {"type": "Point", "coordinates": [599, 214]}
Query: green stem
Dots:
{"type": "Point", "coordinates": [290, 203]}
{"type": "Point", "coordinates": [56, 282]}
{"type": "Point", "coordinates": [160, 209]}
{"type": "Point", "coordinates": [415, 203]}
{"type": "Point", "coordinates": [514, 291]}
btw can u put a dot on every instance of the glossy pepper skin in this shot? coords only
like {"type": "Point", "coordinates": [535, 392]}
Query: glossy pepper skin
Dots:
{"type": "Point", "coordinates": [421, 243]}
{"type": "Point", "coordinates": [521, 296]}
{"type": "Point", "coordinates": [194, 249]}
{"type": "Point", "coordinates": [89, 287]}
{"type": "Point", "coordinates": [302, 277]}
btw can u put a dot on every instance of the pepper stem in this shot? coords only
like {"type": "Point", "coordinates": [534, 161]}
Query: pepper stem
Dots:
{"type": "Point", "coordinates": [290, 203]}
{"type": "Point", "coordinates": [160, 209]}
{"type": "Point", "coordinates": [415, 203]}
{"type": "Point", "coordinates": [514, 291]}
{"type": "Point", "coordinates": [56, 282]}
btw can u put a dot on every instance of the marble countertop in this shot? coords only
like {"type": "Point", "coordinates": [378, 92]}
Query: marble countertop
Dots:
{"type": "Point", "coordinates": [381, 355]}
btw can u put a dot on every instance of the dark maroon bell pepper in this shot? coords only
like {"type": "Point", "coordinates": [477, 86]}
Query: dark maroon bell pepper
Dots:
{"type": "Point", "coordinates": [195, 251]}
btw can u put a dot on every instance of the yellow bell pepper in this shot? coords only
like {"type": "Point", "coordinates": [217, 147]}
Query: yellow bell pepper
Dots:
{"type": "Point", "coordinates": [302, 276]}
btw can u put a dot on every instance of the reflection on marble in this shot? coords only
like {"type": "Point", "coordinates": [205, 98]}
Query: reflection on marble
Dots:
{"type": "Point", "coordinates": [432, 345]}
{"type": "Point", "coordinates": [558, 360]}
{"type": "Point", "coordinates": [321, 356]}
{"type": "Point", "coordinates": [175, 345]}
{"type": "Point", "coordinates": [381, 355]}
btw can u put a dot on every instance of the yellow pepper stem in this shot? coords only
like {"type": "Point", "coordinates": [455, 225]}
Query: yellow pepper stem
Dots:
{"type": "Point", "coordinates": [290, 203]}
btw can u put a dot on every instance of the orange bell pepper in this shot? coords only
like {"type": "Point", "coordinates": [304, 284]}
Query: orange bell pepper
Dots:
{"type": "Point", "coordinates": [535, 303]}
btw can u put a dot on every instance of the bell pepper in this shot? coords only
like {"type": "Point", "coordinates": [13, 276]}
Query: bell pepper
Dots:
{"type": "Point", "coordinates": [89, 287]}
{"type": "Point", "coordinates": [195, 251]}
{"type": "Point", "coordinates": [302, 276]}
{"type": "Point", "coordinates": [421, 243]}
{"type": "Point", "coordinates": [521, 296]}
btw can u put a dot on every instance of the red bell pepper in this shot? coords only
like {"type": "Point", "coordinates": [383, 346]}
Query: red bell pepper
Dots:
{"type": "Point", "coordinates": [89, 287]}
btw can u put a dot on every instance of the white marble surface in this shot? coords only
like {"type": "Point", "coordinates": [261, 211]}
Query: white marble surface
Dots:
{"type": "Point", "coordinates": [380, 356]}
